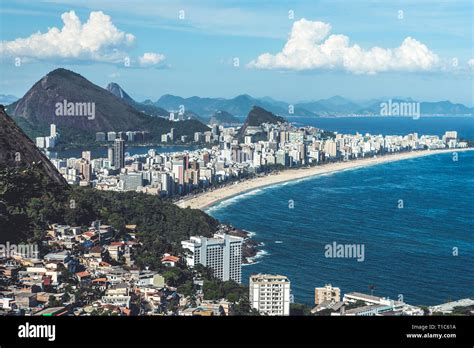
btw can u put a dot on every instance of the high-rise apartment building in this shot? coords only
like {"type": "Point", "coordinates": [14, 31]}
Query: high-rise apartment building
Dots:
{"type": "Point", "coordinates": [223, 254]}
{"type": "Point", "coordinates": [270, 294]}
{"type": "Point", "coordinates": [85, 169]}
{"type": "Point", "coordinates": [119, 153]}
{"type": "Point", "coordinates": [178, 167]}
{"type": "Point", "coordinates": [330, 148]}
{"type": "Point", "coordinates": [87, 155]}
{"type": "Point", "coordinates": [110, 155]}
{"type": "Point", "coordinates": [326, 293]}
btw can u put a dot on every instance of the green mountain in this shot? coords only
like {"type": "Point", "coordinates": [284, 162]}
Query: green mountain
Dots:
{"type": "Point", "coordinates": [87, 109]}
{"type": "Point", "coordinates": [27, 177]}
{"type": "Point", "coordinates": [18, 151]}
{"type": "Point", "coordinates": [256, 117]}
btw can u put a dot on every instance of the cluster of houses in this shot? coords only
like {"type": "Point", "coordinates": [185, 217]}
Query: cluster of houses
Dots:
{"type": "Point", "coordinates": [89, 272]}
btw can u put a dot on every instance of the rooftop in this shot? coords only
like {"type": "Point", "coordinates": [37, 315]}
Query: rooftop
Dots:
{"type": "Point", "coordinates": [363, 296]}
{"type": "Point", "coordinates": [170, 258]}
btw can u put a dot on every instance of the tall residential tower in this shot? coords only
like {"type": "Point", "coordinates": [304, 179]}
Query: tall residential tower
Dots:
{"type": "Point", "coordinates": [119, 153]}
{"type": "Point", "coordinates": [270, 294]}
{"type": "Point", "coordinates": [223, 254]}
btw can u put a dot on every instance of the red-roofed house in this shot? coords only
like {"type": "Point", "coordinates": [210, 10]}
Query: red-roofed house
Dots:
{"type": "Point", "coordinates": [170, 260]}
{"type": "Point", "coordinates": [83, 275]}
{"type": "Point", "coordinates": [88, 234]}
{"type": "Point", "coordinates": [101, 283]}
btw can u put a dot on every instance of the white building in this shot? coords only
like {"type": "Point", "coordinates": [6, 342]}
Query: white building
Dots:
{"type": "Point", "coordinates": [378, 305]}
{"type": "Point", "coordinates": [53, 131]}
{"type": "Point", "coordinates": [223, 254]}
{"type": "Point", "coordinates": [270, 294]}
{"type": "Point", "coordinates": [40, 143]}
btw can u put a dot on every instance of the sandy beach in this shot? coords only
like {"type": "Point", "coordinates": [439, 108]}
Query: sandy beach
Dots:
{"type": "Point", "coordinates": [209, 198]}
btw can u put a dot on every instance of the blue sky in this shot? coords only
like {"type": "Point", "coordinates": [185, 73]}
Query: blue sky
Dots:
{"type": "Point", "coordinates": [292, 59]}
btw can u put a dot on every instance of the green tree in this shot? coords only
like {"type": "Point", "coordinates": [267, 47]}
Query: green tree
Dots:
{"type": "Point", "coordinates": [53, 302]}
{"type": "Point", "coordinates": [187, 289]}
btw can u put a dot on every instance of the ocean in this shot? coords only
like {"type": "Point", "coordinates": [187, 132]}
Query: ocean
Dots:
{"type": "Point", "coordinates": [414, 219]}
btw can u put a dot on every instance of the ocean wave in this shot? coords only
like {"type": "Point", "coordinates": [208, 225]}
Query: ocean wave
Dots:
{"type": "Point", "coordinates": [232, 200]}
{"type": "Point", "coordinates": [251, 234]}
{"type": "Point", "coordinates": [253, 260]}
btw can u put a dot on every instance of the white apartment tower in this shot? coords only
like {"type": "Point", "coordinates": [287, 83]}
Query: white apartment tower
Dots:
{"type": "Point", "coordinates": [223, 254]}
{"type": "Point", "coordinates": [270, 294]}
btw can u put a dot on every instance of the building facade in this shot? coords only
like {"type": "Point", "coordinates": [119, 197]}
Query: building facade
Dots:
{"type": "Point", "coordinates": [270, 294]}
{"type": "Point", "coordinates": [326, 293]}
{"type": "Point", "coordinates": [223, 254]}
{"type": "Point", "coordinates": [119, 153]}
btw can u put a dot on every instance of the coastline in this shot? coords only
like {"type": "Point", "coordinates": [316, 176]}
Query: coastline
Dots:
{"type": "Point", "coordinates": [211, 198]}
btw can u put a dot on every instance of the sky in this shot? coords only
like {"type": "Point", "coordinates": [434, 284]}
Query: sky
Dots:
{"type": "Point", "coordinates": [288, 50]}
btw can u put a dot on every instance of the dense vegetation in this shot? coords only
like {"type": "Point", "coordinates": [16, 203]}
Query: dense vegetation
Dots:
{"type": "Point", "coordinates": [29, 201]}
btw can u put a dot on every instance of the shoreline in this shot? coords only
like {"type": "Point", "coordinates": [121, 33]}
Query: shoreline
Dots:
{"type": "Point", "coordinates": [210, 198]}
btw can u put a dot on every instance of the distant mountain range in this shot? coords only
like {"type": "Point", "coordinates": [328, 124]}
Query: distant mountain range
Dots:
{"type": "Point", "coordinates": [335, 106]}
{"type": "Point", "coordinates": [427, 108]}
{"type": "Point", "coordinates": [148, 109]}
{"type": "Point", "coordinates": [238, 106]}
{"type": "Point", "coordinates": [332, 106]}
{"type": "Point", "coordinates": [224, 118]}
{"type": "Point", "coordinates": [6, 99]}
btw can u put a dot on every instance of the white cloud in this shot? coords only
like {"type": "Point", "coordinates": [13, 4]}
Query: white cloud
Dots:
{"type": "Point", "coordinates": [470, 62]}
{"type": "Point", "coordinates": [150, 59]}
{"type": "Point", "coordinates": [98, 39]}
{"type": "Point", "coordinates": [309, 47]}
